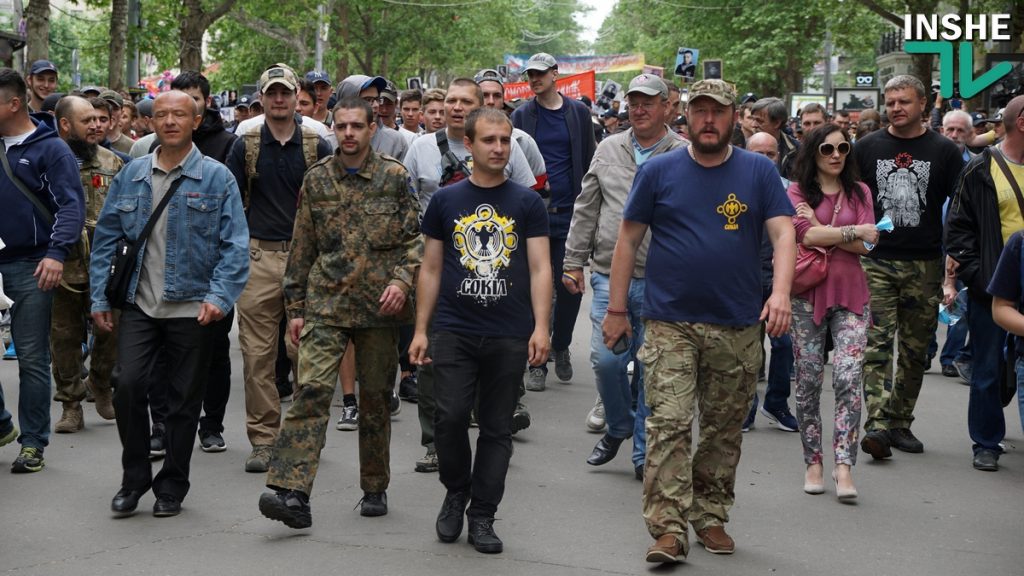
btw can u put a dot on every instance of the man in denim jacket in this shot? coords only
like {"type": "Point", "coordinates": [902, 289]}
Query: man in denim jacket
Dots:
{"type": "Point", "coordinates": [188, 273]}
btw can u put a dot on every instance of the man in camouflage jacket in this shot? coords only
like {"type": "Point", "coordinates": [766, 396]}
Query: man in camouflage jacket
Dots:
{"type": "Point", "coordinates": [355, 252]}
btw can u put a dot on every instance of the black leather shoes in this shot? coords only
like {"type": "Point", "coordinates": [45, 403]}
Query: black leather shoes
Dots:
{"type": "Point", "coordinates": [482, 536]}
{"type": "Point", "coordinates": [125, 502]}
{"type": "Point", "coordinates": [606, 449]}
{"type": "Point", "coordinates": [166, 506]}
{"type": "Point", "coordinates": [450, 518]}
{"type": "Point", "coordinates": [876, 443]}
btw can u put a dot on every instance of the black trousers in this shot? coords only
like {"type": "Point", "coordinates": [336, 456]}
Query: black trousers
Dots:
{"type": "Point", "coordinates": [466, 369]}
{"type": "Point", "coordinates": [218, 384]}
{"type": "Point", "coordinates": [186, 351]}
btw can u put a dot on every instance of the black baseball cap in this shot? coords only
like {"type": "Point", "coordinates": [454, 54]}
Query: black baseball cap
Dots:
{"type": "Point", "coordinates": [40, 66]}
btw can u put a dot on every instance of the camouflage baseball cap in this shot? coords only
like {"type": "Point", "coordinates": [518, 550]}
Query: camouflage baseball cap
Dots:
{"type": "Point", "coordinates": [718, 90]}
{"type": "Point", "coordinates": [113, 97]}
{"type": "Point", "coordinates": [278, 75]}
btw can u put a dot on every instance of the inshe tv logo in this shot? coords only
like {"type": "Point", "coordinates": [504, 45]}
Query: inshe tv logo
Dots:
{"type": "Point", "coordinates": [933, 34]}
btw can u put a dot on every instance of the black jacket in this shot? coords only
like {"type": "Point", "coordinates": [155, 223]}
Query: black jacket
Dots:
{"type": "Point", "coordinates": [212, 138]}
{"type": "Point", "coordinates": [581, 134]}
{"type": "Point", "coordinates": [974, 235]}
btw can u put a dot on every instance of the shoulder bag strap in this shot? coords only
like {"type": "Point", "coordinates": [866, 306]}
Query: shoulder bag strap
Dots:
{"type": "Point", "coordinates": [154, 216]}
{"type": "Point", "coordinates": [43, 210]}
{"type": "Point", "coordinates": [997, 155]}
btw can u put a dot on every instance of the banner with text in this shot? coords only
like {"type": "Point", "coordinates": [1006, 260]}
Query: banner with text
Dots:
{"type": "Point", "coordinates": [570, 86]}
{"type": "Point", "coordinates": [577, 64]}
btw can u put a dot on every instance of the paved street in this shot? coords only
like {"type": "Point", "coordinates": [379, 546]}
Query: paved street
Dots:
{"type": "Point", "coordinates": [928, 514]}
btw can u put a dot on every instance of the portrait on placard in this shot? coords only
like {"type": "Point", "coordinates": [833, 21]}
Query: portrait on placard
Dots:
{"type": "Point", "coordinates": [712, 69]}
{"type": "Point", "coordinates": [686, 63]}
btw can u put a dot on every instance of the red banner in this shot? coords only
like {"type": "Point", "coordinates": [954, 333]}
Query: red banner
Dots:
{"type": "Point", "coordinates": [570, 86]}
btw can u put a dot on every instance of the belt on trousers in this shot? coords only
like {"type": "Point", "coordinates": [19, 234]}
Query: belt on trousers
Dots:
{"type": "Point", "coordinates": [271, 245]}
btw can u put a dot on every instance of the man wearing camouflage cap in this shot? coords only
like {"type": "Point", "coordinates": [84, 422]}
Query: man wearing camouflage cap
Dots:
{"type": "Point", "coordinates": [349, 277]}
{"type": "Point", "coordinates": [707, 207]}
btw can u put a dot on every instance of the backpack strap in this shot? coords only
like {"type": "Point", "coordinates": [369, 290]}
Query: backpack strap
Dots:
{"type": "Point", "coordinates": [310, 141]}
{"type": "Point", "coordinates": [252, 156]}
{"type": "Point", "coordinates": [451, 165]}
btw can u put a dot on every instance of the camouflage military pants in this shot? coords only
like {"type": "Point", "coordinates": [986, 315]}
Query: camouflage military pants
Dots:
{"type": "Point", "coordinates": [905, 298]}
{"type": "Point", "coordinates": [713, 369]}
{"type": "Point", "coordinates": [297, 449]}
{"type": "Point", "coordinates": [67, 332]}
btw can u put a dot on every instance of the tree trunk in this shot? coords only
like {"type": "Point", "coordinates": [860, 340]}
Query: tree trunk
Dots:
{"type": "Point", "coordinates": [37, 30]}
{"type": "Point", "coordinates": [194, 24]}
{"type": "Point", "coordinates": [340, 30]}
{"type": "Point", "coordinates": [118, 43]}
{"type": "Point", "coordinates": [298, 43]}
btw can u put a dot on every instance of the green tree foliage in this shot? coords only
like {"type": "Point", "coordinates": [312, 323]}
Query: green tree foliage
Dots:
{"type": "Point", "coordinates": [90, 36]}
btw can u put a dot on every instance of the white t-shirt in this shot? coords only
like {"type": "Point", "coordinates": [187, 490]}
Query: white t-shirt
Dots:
{"type": "Point", "coordinates": [423, 161]}
{"type": "Point", "coordinates": [12, 141]}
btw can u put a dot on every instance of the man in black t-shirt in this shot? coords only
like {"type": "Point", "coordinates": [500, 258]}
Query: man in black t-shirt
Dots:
{"type": "Point", "coordinates": [911, 171]}
{"type": "Point", "coordinates": [486, 281]}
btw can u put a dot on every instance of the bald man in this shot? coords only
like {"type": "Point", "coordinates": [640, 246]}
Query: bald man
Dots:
{"type": "Point", "coordinates": [780, 368]}
{"type": "Point", "coordinates": [170, 308]}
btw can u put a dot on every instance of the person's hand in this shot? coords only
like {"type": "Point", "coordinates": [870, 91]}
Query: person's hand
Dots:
{"type": "Point", "coordinates": [951, 267]}
{"type": "Point", "coordinates": [540, 345]}
{"type": "Point", "coordinates": [209, 313]}
{"type": "Point", "coordinates": [778, 314]}
{"type": "Point", "coordinates": [868, 233]}
{"type": "Point", "coordinates": [48, 273]}
{"type": "Point", "coordinates": [804, 210]}
{"type": "Point", "coordinates": [614, 327]}
{"type": "Point", "coordinates": [391, 301]}
{"type": "Point", "coordinates": [418, 350]}
{"type": "Point", "coordinates": [573, 281]}
{"type": "Point", "coordinates": [295, 326]}
{"type": "Point", "coordinates": [104, 321]}
{"type": "Point", "coordinates": [948, 294]}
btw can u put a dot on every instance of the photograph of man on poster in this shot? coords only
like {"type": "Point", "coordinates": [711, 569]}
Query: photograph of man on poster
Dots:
{"type": "Point", "coordinates": [712, 69]}
{"type": "Point", "coordinates": [686, 63]}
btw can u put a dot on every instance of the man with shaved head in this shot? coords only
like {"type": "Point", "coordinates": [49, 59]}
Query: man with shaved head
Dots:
{"type": "Point", "coordinates": [191, 269]}
{"type": "Point", "coordinates": [78, 125]}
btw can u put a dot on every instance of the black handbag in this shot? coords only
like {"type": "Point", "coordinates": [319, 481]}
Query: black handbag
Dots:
{"type": "Point", "coordinates": [122, 264]}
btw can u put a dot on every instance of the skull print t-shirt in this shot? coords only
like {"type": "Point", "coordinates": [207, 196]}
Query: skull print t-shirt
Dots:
{"type": "Point", "coordinates": [485, 280]}
{"type": "Point", "coordinates": [910, 179]}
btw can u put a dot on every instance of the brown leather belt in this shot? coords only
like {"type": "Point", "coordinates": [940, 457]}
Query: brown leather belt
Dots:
{"type": "Point", "coordinates": [271, 245]}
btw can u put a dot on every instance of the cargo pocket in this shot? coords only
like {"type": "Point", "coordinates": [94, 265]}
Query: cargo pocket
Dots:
{"type": "Point", "coordinates": [381, 223]}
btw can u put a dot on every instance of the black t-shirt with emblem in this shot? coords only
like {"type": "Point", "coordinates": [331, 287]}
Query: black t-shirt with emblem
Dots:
{"type": "Point", "coordinates": [485, 281]}
{"type": "Point", "coordinates": [910, 179]}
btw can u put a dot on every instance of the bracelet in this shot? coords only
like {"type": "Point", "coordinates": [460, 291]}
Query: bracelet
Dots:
{"type": "Point", "coordinates": [849, 233]}
{"type": "Point", "coordinates": [616, 312]}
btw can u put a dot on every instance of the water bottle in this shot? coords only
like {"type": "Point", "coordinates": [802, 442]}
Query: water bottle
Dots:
{"type": "Point", "coordinates": [952, 314]}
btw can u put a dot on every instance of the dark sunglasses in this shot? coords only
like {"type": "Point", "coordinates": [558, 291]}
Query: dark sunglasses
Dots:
{"type": "Point", "coordinates": [827, 149]}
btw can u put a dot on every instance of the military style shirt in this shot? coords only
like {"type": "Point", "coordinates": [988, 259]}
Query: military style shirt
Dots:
{"type": "Point", "coordinates": [355, 233]}
{"type": "Point", "coordinates": [96, 176]}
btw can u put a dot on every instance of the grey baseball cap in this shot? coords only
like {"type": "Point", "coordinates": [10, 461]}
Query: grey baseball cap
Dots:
{"type": "Point", "coordinates": [540, 61]}
{"type": "Point", "coordinates": [648, 84]}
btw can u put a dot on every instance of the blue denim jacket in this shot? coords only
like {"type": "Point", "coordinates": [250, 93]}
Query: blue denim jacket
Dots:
{"type": "Point", "coordinates": [207, 235]}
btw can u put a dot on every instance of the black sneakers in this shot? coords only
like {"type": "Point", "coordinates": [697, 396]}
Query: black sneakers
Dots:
{"type": "Point", "coordinates": [157, 446]}
{"type": "Point", "coordinates": [288, 506]}
{"type": "Point", "coordinates": [903, 439]}
{"type": "Point", "coordinates": [450, 518]}
{"type": "Point", "coordinates": [482, 536]}
{"type": "Point", "coordinates": [373, 504]}
{"type": "Point", "coordinates": [408, 389]}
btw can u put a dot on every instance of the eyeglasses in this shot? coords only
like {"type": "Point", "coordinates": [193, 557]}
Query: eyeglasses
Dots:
{"type": "Point", "coordinates": [827, 149]}
{"type": "Point", "coordinates": [647, 106]}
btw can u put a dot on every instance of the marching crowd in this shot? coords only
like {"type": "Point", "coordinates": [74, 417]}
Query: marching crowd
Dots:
{"type": "Point", "coordinates": [431, 246]}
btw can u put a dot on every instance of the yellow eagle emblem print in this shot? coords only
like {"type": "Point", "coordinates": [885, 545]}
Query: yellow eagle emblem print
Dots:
{"type": "Point", "coordinates": [485, 241]}
{"type": "Point", "coordinates": [731, 209]}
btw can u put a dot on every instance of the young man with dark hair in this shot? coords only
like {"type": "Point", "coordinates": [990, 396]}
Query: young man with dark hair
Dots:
{"type": "Point", "coordinates": [40, 231]}
{"type": "Point", "coordinates": [484, 295]}
{"type": "Point", "coordinates": [340, 291]}
{"type": "Point", "coordinates": [41, 82]}
{"type": "Point", "coordinates": [562, 129]}
{"type": "Point", "coordinates": [411, 103]}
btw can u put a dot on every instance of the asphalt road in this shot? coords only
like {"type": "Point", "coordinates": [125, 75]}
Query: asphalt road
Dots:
{"type": "Point", "coordinates": [928, 514]}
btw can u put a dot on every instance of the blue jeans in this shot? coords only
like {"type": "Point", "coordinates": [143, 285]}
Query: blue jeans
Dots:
{"type": "Point", "coordinates": [609, 368]}
{"type": "Point", "coordinates": [30, 330]}
{"type": "Point", "coordinates": [780, 370]}
{"type": "Point", "coordinates": [1020, 388]}
{"type": "Point", "coordinates": [985, 420]}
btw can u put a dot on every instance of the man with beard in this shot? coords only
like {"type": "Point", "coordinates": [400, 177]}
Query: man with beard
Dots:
{"type": "Point", "coordinates": [78, 125]}
{"type": "Point", "coordinates": [707, 207]}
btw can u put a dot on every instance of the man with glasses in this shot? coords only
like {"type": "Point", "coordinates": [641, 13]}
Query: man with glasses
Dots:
{"type": "Point", "coordinates": [911, 170]}
{"type": "Point", "coordinates": [597, 215]}
{"type": "Point", "coordinates": [370, 89]}
{"type": "Point", "coordinates": [562, 128]}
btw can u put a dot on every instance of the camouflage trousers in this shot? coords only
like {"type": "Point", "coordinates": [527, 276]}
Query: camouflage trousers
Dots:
{"type": "Point", "coordinates": [67, 332]}
{"type": "Point", "coordinates": [303, 432]}
{"type": "Point", "coordinates": [905, 298]}
{"type": "Point", "coordinates": [712, 369]}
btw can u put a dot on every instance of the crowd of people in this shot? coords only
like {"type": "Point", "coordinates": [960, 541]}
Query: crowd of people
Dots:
{"type": "Point", "coordinates": [431, 246]}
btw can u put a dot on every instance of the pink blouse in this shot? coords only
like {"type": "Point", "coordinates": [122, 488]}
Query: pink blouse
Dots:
{"type": "Point", "coordinates": [846, 285]}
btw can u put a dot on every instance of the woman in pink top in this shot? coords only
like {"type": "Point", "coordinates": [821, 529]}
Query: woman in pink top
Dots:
{"type": "Point", "coordinates": [833, 211]}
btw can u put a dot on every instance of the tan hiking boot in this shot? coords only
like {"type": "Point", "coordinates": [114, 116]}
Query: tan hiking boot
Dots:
{"type": "Point", "coordinates": [104, 403]}
{"type": "Point", "coordinates": [71, 420]}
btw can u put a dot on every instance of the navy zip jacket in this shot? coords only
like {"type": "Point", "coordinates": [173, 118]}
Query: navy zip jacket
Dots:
{"type": "Point", "coordinates": [581, 134]}
{"type": "Point", "coordinates": [47, 167]}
